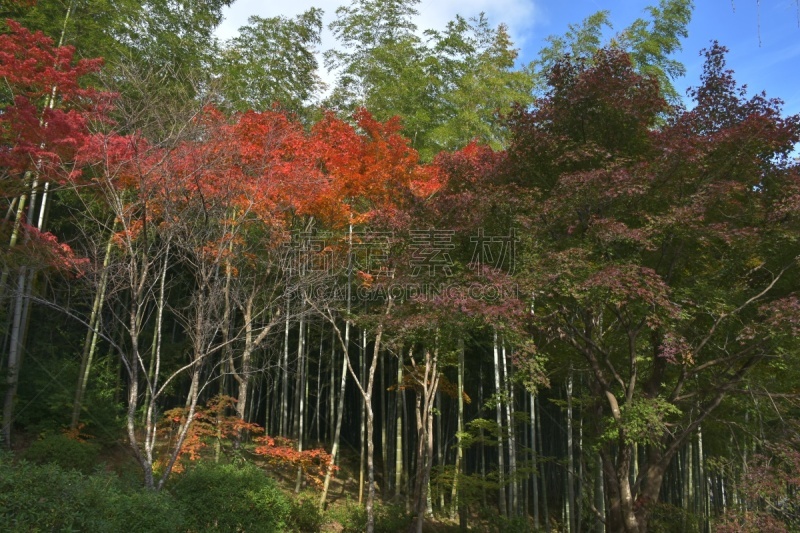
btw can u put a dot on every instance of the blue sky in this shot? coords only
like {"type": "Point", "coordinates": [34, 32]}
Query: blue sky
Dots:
{"type": "Point", "coordinates": [764, 40]}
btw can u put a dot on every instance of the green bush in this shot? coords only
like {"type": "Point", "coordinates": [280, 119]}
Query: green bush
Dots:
{"type": "Point", "coordinates": [388, 518]}
{"type": "Point", "coordinates": [64, 452]}
{"type": "Point", "coordinates": [45, 497]}
{"type": "Point", "coordinates": [226, 497]}
{"type": "Point", "coordinates": [666, 518]}
{"type": "Point", "coordinates": [50, 498]}
{"type": "Point", "coordinates": [391, 518]}
{"type": "Point", "coordinates": [146, 510]}
{"type": "Point", "coordinates": [352, 516]}
{"type": "Point", "coordinates": [305, 516]}
{"type": "Point", "coordinates": [496, 523]}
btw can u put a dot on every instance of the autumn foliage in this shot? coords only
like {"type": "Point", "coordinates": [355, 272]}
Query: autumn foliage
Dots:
{"type": "Point", "coordinates": [644, 251]}
{"type": "Point", "coordinates": [46, 110]}
{"type": "Point", "coordinates": [215, 427]}
{"type": "Point", "coordinates": [282, 453]}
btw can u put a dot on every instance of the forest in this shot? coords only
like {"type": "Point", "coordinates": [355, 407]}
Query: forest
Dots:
{"type": "Point", "coordinates": [444, 292]}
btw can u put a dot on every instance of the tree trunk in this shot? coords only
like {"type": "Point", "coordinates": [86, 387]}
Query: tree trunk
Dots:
{"type": "Point", "coordinates": [384, 429]}
{"type": "Point", "coordinates": [545, 501]}
{"type": "Point", "coordinates": [625, 514]}
{"type": "Point", "coordinates": [501, 493]}
{"type": "Point", "coordinates": [439, 447]}
{"type": "Point", "coordinates": [513, 503]}
{"type": "Point", "coordinates": [370, 429]}
{"type": "Point", "coordinates": [534, 460]}
{"type": "Point", "coordinates": [398, 457]}
{"type": "Point", "coordinates": [599, 495]}
{"type": "Point", "coordinates": [319, 390]}
{"type": "Point", "coordinates": [14, 358]}
{"type": "Point", "coordinates": [284, 431]}
{"type": "Point", "coordinates": [345, 364]}
{"type": "Point", "coordinates": [332, 393]}
{"type": "Point", "coordinates": [705, 504]}
{"type": "Point", "coordinates": [90, 342]}
{"type": "Point", "coordinates": [301, 368]}
{"type": "Point", "coordinates": [570, 499]}
{"type": "Point", "coordinates": [363, 450]}
{"type": "Point", "coordinates": [427, 384]}
{"type": "Point", "coordinates": [455, 505]}
{"type": "Point", "coordinates": [339, 415]}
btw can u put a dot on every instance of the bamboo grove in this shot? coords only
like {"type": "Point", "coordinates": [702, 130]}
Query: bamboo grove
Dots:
{"type": "Point", "coordinates": [551, 298]}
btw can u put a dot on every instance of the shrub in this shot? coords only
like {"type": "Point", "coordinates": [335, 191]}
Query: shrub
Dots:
{"type": "Point", "coordinates": [154, 512]}
{"type": "Point", "coordinates": [493, 521]}
{"type": "Point", "coordinates": [666, 518]}
{"type": "Point", "coordinates": [391, 518]}
{"type": "Point", "coordinates": [226, 497]}
{"type": "Point", "coordinates": [50, 498]}
{"type": "Point", "coordinates": [45, 497]}
{"type": "Point", "coordinates": [305, 516]}
{"type": "Point", "coordinates": [388, 518]}
{"type": "Point", "coordinates": [65, 452]}
{"type": "Point", "coordinates": [352, 516]}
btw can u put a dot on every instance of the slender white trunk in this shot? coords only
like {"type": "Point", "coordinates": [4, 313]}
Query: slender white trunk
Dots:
{"type": "Point", "coordinates": [427, 379]}
{"type": "Point", "coordinates": [363, 449]}
{"type": "Point", "coordinates": [501, 493]}
{"type": "Point", "coordinates": [86, 366]}
{"type": "Point", "coordinates": [14, 359]}
{"type": "Point", "coordinates": [705, 494]}
{"type": "Point", "coordinates": [398, 457]}
{"type": "Point", "coordinates": [370, 427]}
{"type": "Point", "coordinates": [439, 448]}
{"type": "Point", "coordinates": [599, 496]}
{"type": "Point", "coordinates": [319, 390]}
{"type": "Point", "coordinates": [384, 429]}
{"type": "Point", "coordinates": [301, 396]}
{"type": "Point", "coordinates": [251, 343]}
{"type": "Point", "coordinates": [570, 500]}
{"type": "Point", "coordinates": [345, 360]}
{"type": "Point", "coordinates": [155, 358]}
{"type": "Point", "coordinates": [534, 463]}
{"type": "Point", "coordinates": [513, 504]}
{"type": "Point", "coordinates": [339, 415]}
{"type": "Point", "coordinates": [285, 383]}
{"type": "Point", "coordinates": [332, 393]}
{"type": "Point", "coordinates": [455, 505]}
{"type": "Point", "coordinates": [480, 437]}
{"type": "Point", "coordinates": [545, 508]}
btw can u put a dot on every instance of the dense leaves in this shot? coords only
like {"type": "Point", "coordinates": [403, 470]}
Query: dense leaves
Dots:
{"type": "Point", "coordinates": [233, 262]}
{"type": "Point", "coordinates": [650, 246]}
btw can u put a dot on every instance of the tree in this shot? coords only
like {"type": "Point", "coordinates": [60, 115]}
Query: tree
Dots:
{"type": "Point", "coordinates": [372, 179]}
{"type": "Point", "coordinates": [480, 83]}
{"type": "Point", "coordinates": [367, 30]}
{"type": "Point", "coordinates": [382, 65]}
{"type": "Point", "coordinates": [172, 37]}
{"type": "Point", "coordinates": [448, 90]}
{"type": "Point", "coordinates": [272, 61]}
{"type": "Point", "coordinates": [649, 43]}
{"type": "Point", "coordinates": [43, 125]}
{"type": "Point", "coordinates": [661, 260]}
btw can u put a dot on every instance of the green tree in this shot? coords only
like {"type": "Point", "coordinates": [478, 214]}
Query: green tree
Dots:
{"type": "Point", "coordinates": [480, 83]}
{"type": "Point", "coordinates": [157, 50]}
{"type": "Point", "coordinates": [649, 41]}
{"type": "Point", "coordinates": [448, 89]}
{"type": "Point", "coordinates": [383, 65]}
{"type": "Point", "coordinates": [272, 61]}
{"type": "Point", "coordinates": [179, 33]}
